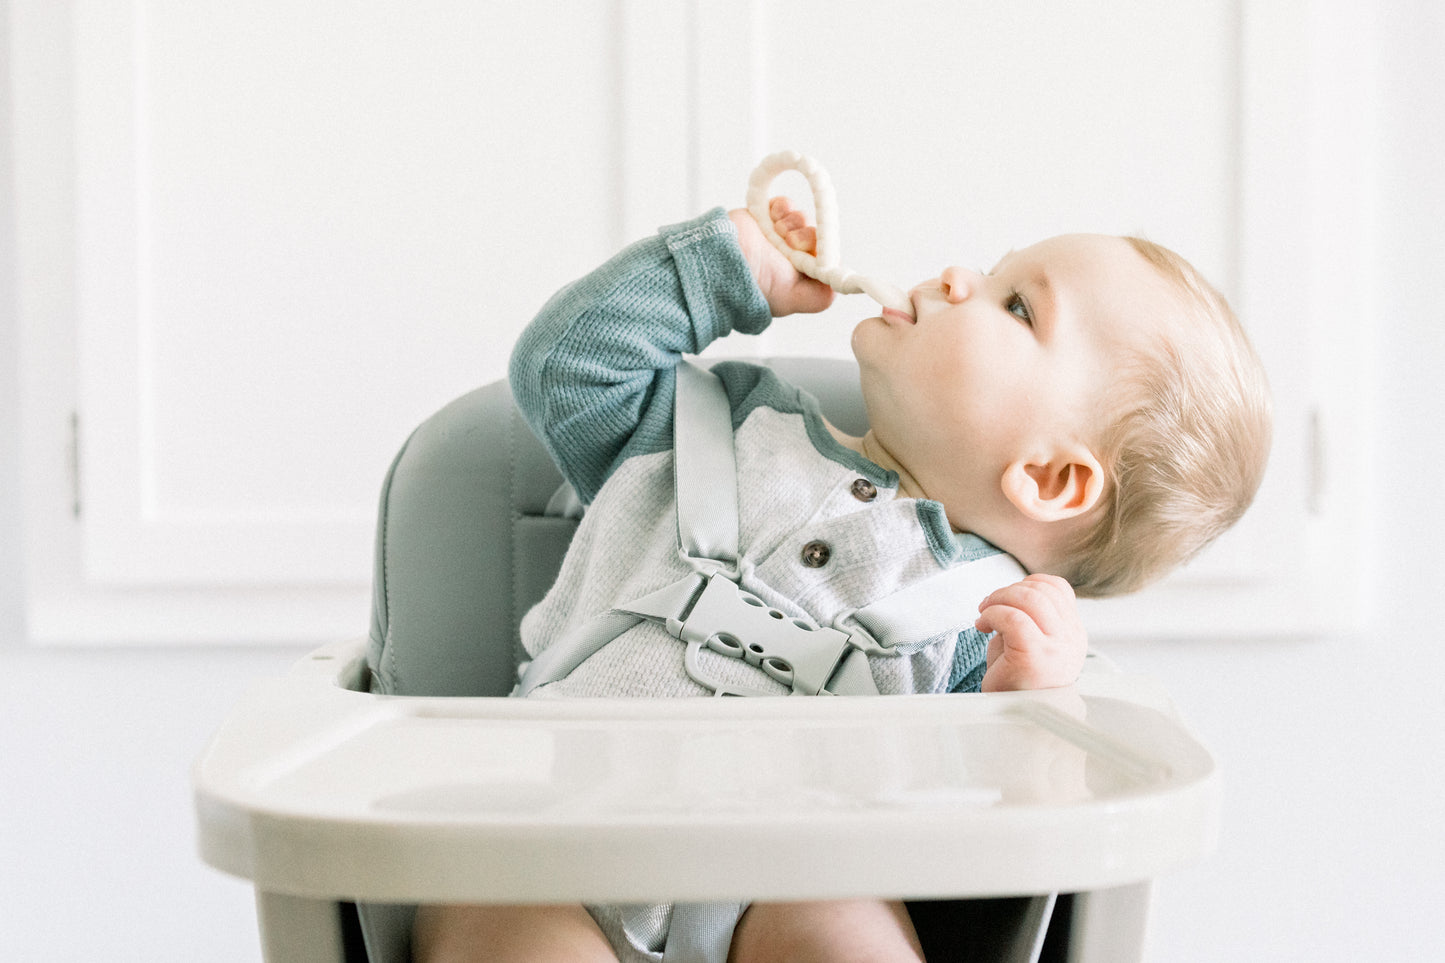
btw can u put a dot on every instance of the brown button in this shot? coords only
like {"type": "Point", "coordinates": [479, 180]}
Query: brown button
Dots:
{"type": "Point", "coordinates": [816, 554]}
{"type": "Point", "coordinates": [864, 491]}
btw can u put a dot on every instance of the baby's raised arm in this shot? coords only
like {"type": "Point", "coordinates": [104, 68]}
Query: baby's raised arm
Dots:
{"type": "Point", "coordinates": [592, 373]}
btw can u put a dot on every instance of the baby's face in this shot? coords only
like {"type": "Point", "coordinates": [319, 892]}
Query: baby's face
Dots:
{"type": "Point", "coordinates": [999, 366]}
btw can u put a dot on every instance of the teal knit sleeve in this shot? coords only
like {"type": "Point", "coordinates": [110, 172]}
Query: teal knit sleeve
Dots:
{"type": "Point", "coordinates": [969, 661]}
{"type": "Point", "coordinates": [593, 372]}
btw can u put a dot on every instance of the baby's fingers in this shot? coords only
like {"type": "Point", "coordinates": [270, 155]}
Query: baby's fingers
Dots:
{"type": "Point", "coordinates": [780, 208]}
{"type": "Point", "coordinates": [1046, 599]}
{"type": "Point", "coordinates": [1008, 621]}
{"type": "Point", "coordinates": [803, 239]}
{"type": "Point", "coordinates": [792, 226]}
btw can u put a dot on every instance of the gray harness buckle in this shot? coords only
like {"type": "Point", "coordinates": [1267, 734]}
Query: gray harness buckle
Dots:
{"type": "Point", "coordinates": [739, 625]}
{"type": "Point", "coordinates": [712, 611]}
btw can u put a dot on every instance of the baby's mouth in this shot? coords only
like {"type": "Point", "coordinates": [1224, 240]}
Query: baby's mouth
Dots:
{"type": "Point", "coordinates": [895, 316]}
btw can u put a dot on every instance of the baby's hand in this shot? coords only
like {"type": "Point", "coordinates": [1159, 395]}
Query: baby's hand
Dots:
{"type": "Point", "coordinates": [1041, 642]}
{"type": "Point", "coordinates": [787, 291]}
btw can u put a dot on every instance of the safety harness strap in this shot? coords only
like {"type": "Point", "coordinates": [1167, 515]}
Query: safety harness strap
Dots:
{"type": "Point", "coordinates": [949, 598]}
{"type": "Point", "coordinates": [705, 472]}
{"type": "Point", "coordinates": [571, 649]}
{"type": "Point", "coordinates": [720, 616]}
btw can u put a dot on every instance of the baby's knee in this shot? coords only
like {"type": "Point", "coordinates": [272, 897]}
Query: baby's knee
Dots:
{"type": "Point", "coordinates": [472, 934]}
{"type": "Point", "coordinates": [835, 931]}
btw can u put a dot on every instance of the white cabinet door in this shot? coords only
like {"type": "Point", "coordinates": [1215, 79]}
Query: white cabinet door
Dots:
{"type": "Point", "coordinates": [259, 242]}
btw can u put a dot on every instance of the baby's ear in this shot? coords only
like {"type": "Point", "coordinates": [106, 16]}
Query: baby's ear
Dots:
{"type": "Point", "coordinates": [1052, 489]}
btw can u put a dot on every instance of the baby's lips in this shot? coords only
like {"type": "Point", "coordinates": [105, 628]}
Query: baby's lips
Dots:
{"type": "Point", "coordinates": [888, 295]}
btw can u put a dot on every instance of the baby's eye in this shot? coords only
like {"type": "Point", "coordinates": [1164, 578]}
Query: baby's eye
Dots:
{"type": "Point", "coordinates": [1019, 308]}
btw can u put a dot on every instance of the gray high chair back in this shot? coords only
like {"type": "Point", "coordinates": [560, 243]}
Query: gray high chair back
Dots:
{"type": "Point", "coordinates": [465, 546]}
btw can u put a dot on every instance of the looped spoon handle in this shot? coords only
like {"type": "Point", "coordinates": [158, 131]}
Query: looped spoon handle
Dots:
{"type": "Point", "coordinates": [824, 265]}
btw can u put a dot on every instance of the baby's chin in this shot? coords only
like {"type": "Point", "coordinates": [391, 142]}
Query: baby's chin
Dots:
{"type": "Point", "coordinates": [870, 335]}
{"type": "Point", "coordinates": [860, 335]}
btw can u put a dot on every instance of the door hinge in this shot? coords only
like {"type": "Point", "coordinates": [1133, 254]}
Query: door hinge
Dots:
{"type": "Point", "coordinates": [1315, 454]}
{"type": "Point", "coordinates": [75, 464]}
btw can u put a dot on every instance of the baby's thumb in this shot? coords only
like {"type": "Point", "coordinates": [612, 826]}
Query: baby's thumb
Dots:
{"type": "Point", "coordinates": [1002, 676]}
{"type": "Point", "coordinates": [812, 296]}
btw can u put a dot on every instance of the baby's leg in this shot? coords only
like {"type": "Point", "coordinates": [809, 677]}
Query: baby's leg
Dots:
{"type": "Point", "coordinates": [452, 934]}
{"type": "Point", "coordinates": [841, 931]}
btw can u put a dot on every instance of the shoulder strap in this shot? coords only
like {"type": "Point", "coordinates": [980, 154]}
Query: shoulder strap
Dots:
{"type": "Point", "coordinates": [933, 605]}
{"type": "Point", "coordinates": [705, 474]}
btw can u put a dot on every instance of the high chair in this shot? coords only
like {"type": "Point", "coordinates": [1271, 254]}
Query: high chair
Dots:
{"type": "Point", "coordinates": [383, 773]}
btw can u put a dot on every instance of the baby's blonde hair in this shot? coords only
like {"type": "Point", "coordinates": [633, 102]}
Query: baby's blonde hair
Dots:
{"type": "Point", "coordinates": [1187, 438]}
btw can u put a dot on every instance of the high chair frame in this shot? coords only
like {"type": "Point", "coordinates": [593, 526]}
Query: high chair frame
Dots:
{"type": "Point", "coordinates": [387, 772]}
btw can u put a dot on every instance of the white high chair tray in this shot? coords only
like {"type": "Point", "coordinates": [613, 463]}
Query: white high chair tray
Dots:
{"type": "Point", "coordinates": [312, 789]}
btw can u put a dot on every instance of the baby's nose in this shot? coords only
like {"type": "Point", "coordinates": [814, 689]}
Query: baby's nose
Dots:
{"type": "Point", "coordinates": [958, 283]}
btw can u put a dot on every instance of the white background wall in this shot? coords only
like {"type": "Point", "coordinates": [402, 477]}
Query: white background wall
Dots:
{"type": "Point", "coordinates": [1334, 847]}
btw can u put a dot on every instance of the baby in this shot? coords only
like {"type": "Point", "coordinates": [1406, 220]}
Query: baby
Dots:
{"type": "Point", "coordinates": [1090, 406]}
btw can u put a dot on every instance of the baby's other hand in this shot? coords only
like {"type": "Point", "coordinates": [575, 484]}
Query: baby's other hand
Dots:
{"type": "Point", "coordinates": [786, 290]}
{"type": "Point", "coordinates": [1041, 642]}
